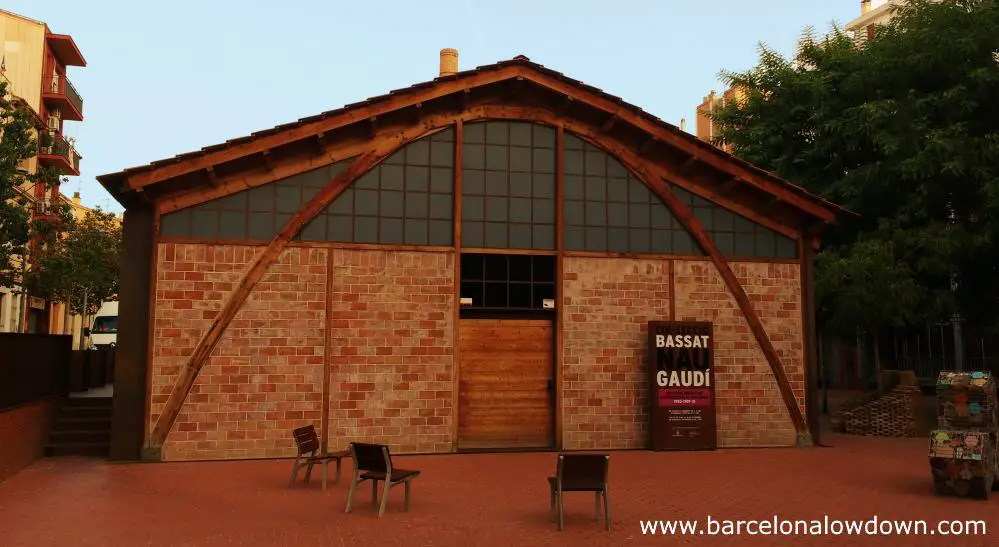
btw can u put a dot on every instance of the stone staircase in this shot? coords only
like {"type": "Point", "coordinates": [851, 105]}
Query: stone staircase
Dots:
{"type": "Point", "coordinates": [81, 428]}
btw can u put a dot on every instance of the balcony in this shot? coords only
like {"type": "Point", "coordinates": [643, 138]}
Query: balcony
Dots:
{"type": "Point", "coordinates": [61, 155]}
{"type": "Point", "coordinates": [58, 92]}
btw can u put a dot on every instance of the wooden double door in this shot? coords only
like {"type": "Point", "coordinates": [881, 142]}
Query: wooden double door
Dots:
{"type": "Point", "coordinates": [506, 384]}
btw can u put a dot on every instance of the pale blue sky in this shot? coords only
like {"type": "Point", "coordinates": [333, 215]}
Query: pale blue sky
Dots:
{"type": "Point", "coordinates": [166, 77]}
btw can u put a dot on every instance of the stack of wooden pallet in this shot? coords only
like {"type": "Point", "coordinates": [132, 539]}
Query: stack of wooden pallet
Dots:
{"type": "Point", "coordinates": [964, 450]}
{"type": "Point", "coordinates": [891, 415]}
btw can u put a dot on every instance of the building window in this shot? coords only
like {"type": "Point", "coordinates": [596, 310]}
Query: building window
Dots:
{"type": "Point", "coordinates": [406, 199]}
{"type": "Point", "coordinates": [735, 235]}
{"type": "Point", "coordinates": [508, 186]}
{"type": "Point", "coordinates": [513, 282]}
{"type": "Point", "coordinates": [607, 209]}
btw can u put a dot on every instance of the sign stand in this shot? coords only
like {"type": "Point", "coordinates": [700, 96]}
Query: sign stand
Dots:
{"type": "Point", "coordinates": [682, 386]}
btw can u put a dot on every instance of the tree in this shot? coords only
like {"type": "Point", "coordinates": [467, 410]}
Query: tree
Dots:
{"type": "Point", "coordinates": [17, 143]}
{"type": "Point", "coordinates": [903, 131]}
{"type": "Point", "coordinates": [81, 267]}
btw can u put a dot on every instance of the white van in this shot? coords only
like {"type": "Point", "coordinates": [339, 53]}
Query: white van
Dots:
{"type": "Point", "coordinates": [104, 331]}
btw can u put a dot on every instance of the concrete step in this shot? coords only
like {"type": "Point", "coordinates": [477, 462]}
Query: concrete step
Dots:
{"type": "Point", "coordinates": [69, 437]}
{"type": "Point", "coordinates": [78, 449]}
{"type": "Point", "coordinates": [72, 423]}
{"type": "Point", "coordinates": [80, 412]}
{"type": "Point", "coordinates": [88, 402]}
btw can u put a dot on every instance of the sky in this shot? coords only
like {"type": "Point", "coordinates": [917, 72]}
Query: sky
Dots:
{"type": "Point", "coordinates": [168, 77]}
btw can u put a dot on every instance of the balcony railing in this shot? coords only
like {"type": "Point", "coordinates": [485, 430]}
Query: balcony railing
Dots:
{"type": "Point", "coordinates": [61, 86]}
{"type": "Point", "coordinates": [59, 146]}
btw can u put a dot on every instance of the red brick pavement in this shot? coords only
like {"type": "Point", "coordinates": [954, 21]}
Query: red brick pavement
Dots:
{"type": "Point", "coordinates": [487, 499]}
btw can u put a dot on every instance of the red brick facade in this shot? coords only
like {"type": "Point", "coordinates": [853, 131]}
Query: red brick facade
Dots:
{"type": "Point", "coordinates": [23, 433]}
{"type": "Point", "coordinates": [607, 303]}
{"type": "Point", "coordinates": [392, 357]}
{"type": "Point", "coordinates": [265, 376]}
{"type": "Point", "coordinates": [750, 409]}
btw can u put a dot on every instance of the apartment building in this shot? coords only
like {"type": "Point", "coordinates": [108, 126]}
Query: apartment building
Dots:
{"type": "Point", "coordinates": [34, 62]}
{"type": "Point", "coordinates": [872, 13]}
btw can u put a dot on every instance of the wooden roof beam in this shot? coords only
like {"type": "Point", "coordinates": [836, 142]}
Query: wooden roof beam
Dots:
{"type": "Point", "coordinates": [648, 145]}
{"type": "Point", "coordinates": [372, 126]}
{"type": "Point", "coordinates": [213, 179]}
{"type": "Point", "coordinates": [609, 124]}
{"type": "Point", "coordinates": [268, 160]}
{"type": "Point", "coordinates": [564, 107]}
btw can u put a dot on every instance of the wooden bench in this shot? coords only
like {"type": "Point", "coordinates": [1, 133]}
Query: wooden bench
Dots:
{"type": "Point", "coordinates": [372, 462]}
{"type": "Point", "coordinates": [308, 455]}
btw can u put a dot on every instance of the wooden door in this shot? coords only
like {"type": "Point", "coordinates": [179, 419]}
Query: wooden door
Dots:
{"type": "Point", "coordinates": [505, 384]}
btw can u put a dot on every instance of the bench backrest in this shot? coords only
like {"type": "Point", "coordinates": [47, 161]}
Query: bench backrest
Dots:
{"type": "Point", "coordinates": [306, 439]}
{"type": "Point", "coordinates": [371, 457]}
{"type": "Point", "coordinates": [582, 470]}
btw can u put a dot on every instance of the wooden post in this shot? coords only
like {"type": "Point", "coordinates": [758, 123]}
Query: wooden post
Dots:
{"type": "Point", "coordinates": [459, 136]}
{"type": "Point", "coordinates": [214, 334]}
{"type": "Point", "coordinates": [327, 352]}
{"type": "Point", "coordinates": [559, 281]}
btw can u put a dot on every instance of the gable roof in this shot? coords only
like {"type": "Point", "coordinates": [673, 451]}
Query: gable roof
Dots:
{"type": "Point", "coordinates": [519, 68]}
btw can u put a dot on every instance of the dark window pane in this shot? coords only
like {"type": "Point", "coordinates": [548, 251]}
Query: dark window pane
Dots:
{"type": "Point", "coordinates": [175, 224]}
{"type": "Point", "coordinates": [205, 224]}
{"type": "Point", "coordinates": [262, 198]}
{"type": "Point", "coordinates": [474, 132]}
{"type": "Point", "coordinates": [418, 153]}
{"type": "Point", "coordinates": [544, 185]}
{"type": "Point", "coordinates": [392, 177]}
{"type": "Point", "coordinates": [444, 135]}
{"type": "Point", "coordinates": [572, 142]}
{"type": "Point", "coordinates": [397, 158]}
{"type": "Point", "coordinates": [520, 210]}
{"type": "Point", "coordinates": [544, 160]}
{"type": "Point", "coordinates": [662, 241]}
{"type": "Point", "coordinates": [497, 158]}
{"type": "Point", "coordinates": [617, 214]}
{"type": "Point", "coordinates": [472, 234]}
{"type": "Point", "coordinates": [288, 200]}
{"type": "Point", "coordinates": [520, 236]}
{"type": "Point", "coordinates": [638, 215]}
{"type": "Point", "coordinates": [417, 178]}
{"type": "Point", "coordinates": [596, 213]}
{"type": "Point", "coordinates": [638, 241]}
{"type": "Point", "coordinates": [366, 202]}
{"type": "Point", "coordinates": [661, 217]}
{"type": "Point", "coordinates": [573, 162]}
{"type": "Point", "coordinates": [496, 295]}
{"type": "Point", "coordinates": [366, 230]}
{"type": "Point", "coordinates": [596, 163]}
{"type": "Point", "coordinates": [440, 206]}
{"type": "Point", "coordinates": [369, 181]}
{"type": "Point", "coordinates": [315, 230]}
{"type": "Point", "coordinates": [280, 220]}
{"type": "Point", "coordinates": [441, 232]}
{"type": "Point", "coordinates": [309, 192]}
{"type": "Point", "coordinates": [261, 226]}
{"type": "Point", "coordinates": [520, 268]}
{"type": "Point", "coordinates": [725, 243]}
{"type": "Point", "coordinates": [724, 220]}
{"type": "Point", "coordinates": [391, 231]}
{"type": "Point", "coordinates": [497, 133]}
{"type": "Point", "coordinates": [520, 134]}
{"type": "Point", "coordinates": [496, 209]}
{"type": "Point", "coordinates": [520, 295]}
{"type": "Point", "coordinates": [442, 154]}
{"type": "Point", "coordinates": [544, 136]}
{"type": "Point", "coordinates": [442, 180]}
{"type": "Point", "coordinates": [391, 204]}
{"type": "Point", "coordinates": [766, 246]}
{"type": "Point", "coordinates": [786, 247]}
{"type": "Point", "coordinates": [417, 205]}
{"type": "Point", "coordinates": [473, 182]}
{"type": "Point", "coordinates": [544, 237]}
{"type": "Point", "coordinates": [416, 231]}
{"type": "Point", "coordinates": [343, 204]}
{"type": "Point", "coordinates": [575, 213]}
{"type": "Point", "coordinates": [233, 202]}
{"type": "Point", "coordinates": [575, 238]}
{"type": "Point", "coordinates": [473, 156]}
{"type": "Point", "coordinates": [541, 293]}
{"type": "Point", "coordinates": [614, 168]}
{"type": "Point", "coordinates": [705, 215]}
{"type": "Point", "coordinates": [638, 192]}
{"type": "Point", "coordinates": [496, 183]}
{"type": "Point", "coordinates": [232, 224]}
{"type": "Point", "coordinates": [473, 208]}
{"type": "Point", "coordinates": [617, 240]}
{"type": "Point", "coordinates": [495, 267]}
{"type": "Point", "coordinates": [596, 239]}
{"type": "Point", "coordinates": [574, 187]}
{"type": "Point", "coordinates": [544, 211]}
{"type": "Point", "coordinates": [496, 234]}
{"type": "Point", "coordinates": [472, 267]}
{"type": "Point", "coordinates": [340, 229]}
{"type": "Point", "coordinates": [617, 190]}
{"type": "Point", "coordinates": [317, 178]}
{"type": "Point", "coordinates": [744, 244]}
{"type": "Point", "coordinates": [744, 225]}
{"type": "Point", "coordinates": [520, 159]}
{"type": "Point", "coordinates": [520, 184]}
{"type": "Point", "coordinates": [683, 244]}
{"type": "Point", "coordinates": [474, 291]}
{"type": "Point", "coordinates": [596, 188]}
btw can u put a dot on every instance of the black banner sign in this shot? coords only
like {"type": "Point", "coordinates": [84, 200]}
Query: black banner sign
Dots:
{"type": "Point", "coordinates": [682, 389]}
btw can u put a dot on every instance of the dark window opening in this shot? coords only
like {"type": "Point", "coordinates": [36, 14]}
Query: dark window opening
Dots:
{"type": "Point", "coordinates": [511, 282]}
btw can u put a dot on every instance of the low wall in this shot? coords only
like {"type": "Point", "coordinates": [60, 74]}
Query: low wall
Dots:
{"type": "Point", "coordinates": [23, 432]}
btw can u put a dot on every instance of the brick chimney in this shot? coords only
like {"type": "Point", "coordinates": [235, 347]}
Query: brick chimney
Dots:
{"type": "Point", "coordinates": [865, 6]}
{"type": "Point", "coordinates": [449, 62]}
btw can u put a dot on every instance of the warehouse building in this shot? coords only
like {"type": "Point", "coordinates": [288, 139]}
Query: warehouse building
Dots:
{"type": "Point", "coordinates": [469, 263]}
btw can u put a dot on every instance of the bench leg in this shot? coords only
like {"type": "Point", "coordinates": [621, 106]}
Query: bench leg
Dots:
{"type": "Point", "coordinates": [350, 493]}
{"type": "Point", "coordinates": [606, 511]}
{"type": "Point", "coordinates": [294, 474]}
{"type": "Point", "coordinates": [374, 493]}
{"type": "Point", "coordinates": [551, 505]}
{"type": "Point", "coordinates": [325, 467]}
{"type": "Point", "coordinates": [596, 506]}
{"type": "Point", "coordinates": [337, 471]}
{"type": "Point", "coordinates": [561, 518]}
{"type": "Point", "coordinates": [308, 472]}
{"type": "Point", "coordinates": [405, 506]}
{"type": "Point", "coordinates": [385, 496]}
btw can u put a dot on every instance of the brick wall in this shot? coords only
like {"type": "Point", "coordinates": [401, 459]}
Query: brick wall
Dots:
{"type": "Point", "coordinates": [393, 334]}
{"type": "Point", "coordinates": [750, 409]}
{"type": "Point", "coordinates": [606, 305]}
{"type": "Point", "coordinates": [24, 430]}
{"type": "Point", "coordinates": [265, 376]}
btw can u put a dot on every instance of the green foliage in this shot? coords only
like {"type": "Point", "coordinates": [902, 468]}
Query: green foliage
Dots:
{"type": "Point", "coordinates": [904, 131]}
{"type": "Point", "coordinates": [17, 143]}
{"type": "Point", "coordinates": [84, 261]}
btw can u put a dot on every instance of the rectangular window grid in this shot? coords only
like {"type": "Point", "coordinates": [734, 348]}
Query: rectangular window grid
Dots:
{"type": "Point", "coordinates": [510, 282]}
